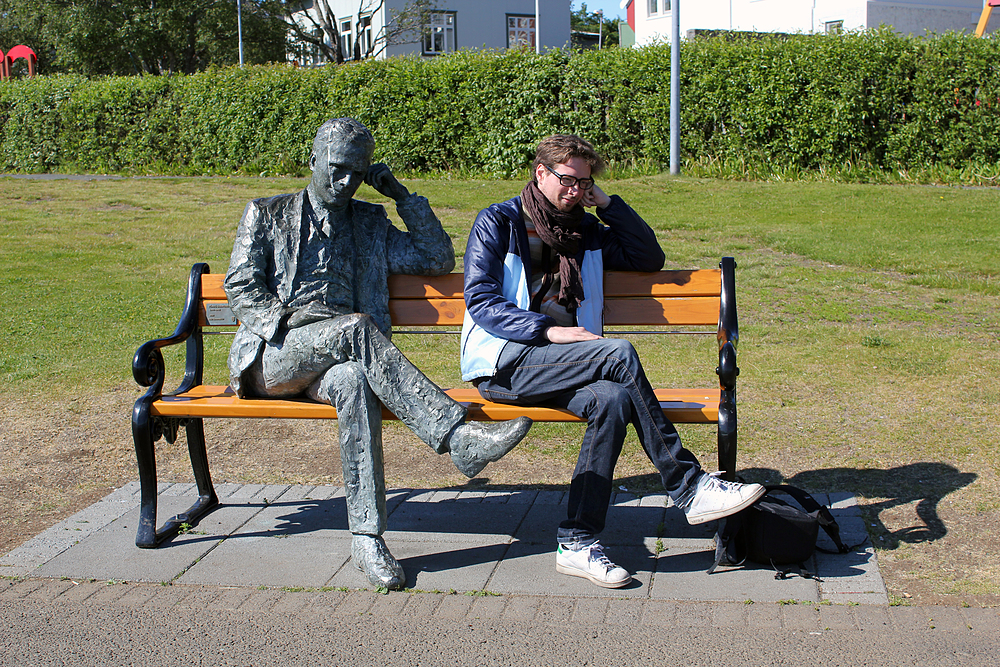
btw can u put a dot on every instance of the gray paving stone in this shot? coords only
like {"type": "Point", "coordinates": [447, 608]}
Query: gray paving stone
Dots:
{"type": "Point", "coordinates": [252, 560]}
{"type": "Point", "coordinates": [803, 617]}
{"type": "Point", "coordinates": [660, 614]}
{"type": "Point", "coordinates": [453, 607]}
{"type": "Point", "coordinates": [138, 596]}
{"type": "Point", "coordinates": [681, 575]}
{"type": "Point", "coordinates": [167, 597]}
{"type": "Point", "coordinates": [231, 599]}
{"type": "Point", "coordinates": [112, 554]}
{"type": "Point", "coordinates": [731, 615]}
{"type": "Point", "coordinates": [421, 605]}
{"type": "Point", "coordinates": [625, 612]}
{"type": "Point", "coordinates": [554, 610]}
{"type": "Point", "coordinates": [764, 616]}
{"type": "Point", "coordinates": [455, 521]}
{"type": "Point", "coordinates": [79, 591]}
{"type": "Point", "coordinates": [980, 617]}
{"type": "Point", "coordinates": [488, 607]}
{"type": "Point", "coordinates": [389, 605]}
{"type": "Point", "coordinates": [263, 600]}
{"type": "Point", "coordinates": [521, 608]}
{"type": "Point", "coordinates": [590, 611]}
{"type": "Point", "coordinates": [523, 497]}
{"type": "Point", "coordinates": [356, 603]}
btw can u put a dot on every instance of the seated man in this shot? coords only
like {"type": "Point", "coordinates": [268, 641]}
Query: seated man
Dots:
{"type": "Point", "coordinates": [308, 282]}
{"type": "Point", "coordinates": [532, 336]}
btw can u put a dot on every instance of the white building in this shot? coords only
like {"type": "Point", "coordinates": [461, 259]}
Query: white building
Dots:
{"type": "Point", "coordinates": [371, 28]}
{"type": "Point", "coordinates": [649, 20]}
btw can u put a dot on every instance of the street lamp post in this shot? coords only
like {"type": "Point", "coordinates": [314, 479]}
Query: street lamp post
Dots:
{"type": "Point", "coordinates": [538, 32]}
{"type": "Point", "coordinates": [675, 88]}
{"type": "Point", "coordinates": [239, 28]}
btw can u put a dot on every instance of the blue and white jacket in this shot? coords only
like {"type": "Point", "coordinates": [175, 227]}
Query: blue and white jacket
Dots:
{"type": "Point", "coordinates": [498, 277]}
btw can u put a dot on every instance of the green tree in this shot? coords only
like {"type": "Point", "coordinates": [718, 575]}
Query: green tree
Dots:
{"type": "Point", "coordinates": [583, 21]}
{"type": "Point", "coordinates": [96, 37]}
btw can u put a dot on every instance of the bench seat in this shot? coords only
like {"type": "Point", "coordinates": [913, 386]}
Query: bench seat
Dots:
{"type": "Point", "coordinates": [688, 406]}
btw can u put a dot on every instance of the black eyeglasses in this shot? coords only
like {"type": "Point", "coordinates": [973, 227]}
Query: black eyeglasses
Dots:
{"type": "Point", "coordinates": [569, 181]}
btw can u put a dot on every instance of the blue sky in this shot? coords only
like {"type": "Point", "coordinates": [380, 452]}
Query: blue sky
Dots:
{"type": "Point", "coordinates": [610, 7]}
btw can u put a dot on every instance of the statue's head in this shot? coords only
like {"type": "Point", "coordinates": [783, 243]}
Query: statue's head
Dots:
{"type": "Point", "coordinates": [341, 155]}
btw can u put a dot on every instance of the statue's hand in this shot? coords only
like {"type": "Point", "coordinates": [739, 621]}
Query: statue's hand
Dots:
{"type": "Point", "coordinates": [380, 177]}
{"type": "Point", "coordinates": [313, 312]}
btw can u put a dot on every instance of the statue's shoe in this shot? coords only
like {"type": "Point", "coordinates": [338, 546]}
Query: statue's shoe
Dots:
{"type": "Point", "coordinates": [474, 444]}
{"type": "Point", "coordinates": [372, 557]}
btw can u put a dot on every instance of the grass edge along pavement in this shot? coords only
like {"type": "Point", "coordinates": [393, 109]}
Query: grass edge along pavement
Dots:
{"type": "Point", "coordinates": [868, 322]}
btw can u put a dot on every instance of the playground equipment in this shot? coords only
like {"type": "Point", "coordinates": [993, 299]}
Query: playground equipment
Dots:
{"type": "Point", "coordinates": [984, 18]}
{"type": "Point", "coordinates": [19, 51]}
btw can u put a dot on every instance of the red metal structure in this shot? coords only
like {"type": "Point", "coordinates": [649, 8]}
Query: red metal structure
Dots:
{"type": "Point", "coordinates": [19, 51]}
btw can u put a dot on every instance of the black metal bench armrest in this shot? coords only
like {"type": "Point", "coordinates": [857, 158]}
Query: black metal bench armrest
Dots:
{"type": "Point", "coordinates": [148, 367]}
{"type": "Point", "coordinates": [729, 328]}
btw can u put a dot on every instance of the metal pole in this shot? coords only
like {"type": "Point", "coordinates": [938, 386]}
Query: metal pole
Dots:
{"type": "Point", "coordinates": [675, 88]}
{"type": "Point", "coordinates": [239, 28]}
{"type": "Point", "coordinates": [538, 32]}
{"type": "Point", "coordinates": [600, 28]}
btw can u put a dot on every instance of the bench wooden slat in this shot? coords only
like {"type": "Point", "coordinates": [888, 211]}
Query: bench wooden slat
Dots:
{"type": "Point", "coordinates": [683, 406]}
{"type": "Point", "coordinates": [703, 282]}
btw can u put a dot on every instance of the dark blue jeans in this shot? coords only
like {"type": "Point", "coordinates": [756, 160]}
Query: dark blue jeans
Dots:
{"type": "Point", "coordinates": [603, 382]}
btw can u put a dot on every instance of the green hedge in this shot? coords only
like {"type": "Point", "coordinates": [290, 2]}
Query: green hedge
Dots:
{"type": "Point", "coordinates": [808, 102]}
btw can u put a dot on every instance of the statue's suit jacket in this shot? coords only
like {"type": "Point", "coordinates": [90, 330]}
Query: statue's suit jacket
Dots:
{"type": "Point", "coordinates": [267, 257]}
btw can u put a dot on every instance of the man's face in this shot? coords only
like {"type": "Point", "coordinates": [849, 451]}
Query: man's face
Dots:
{"type": "Point", "coordinates": [338, 170]}
{"type": "Point", "coordinates": [562, 197]}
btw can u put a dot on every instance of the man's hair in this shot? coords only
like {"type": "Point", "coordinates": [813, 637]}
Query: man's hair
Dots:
{"type": "Point", "coordinates": [561, 148]}
{"type": "Point", "coordinates": [346, 130]}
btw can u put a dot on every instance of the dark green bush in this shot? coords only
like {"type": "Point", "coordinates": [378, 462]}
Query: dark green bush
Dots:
{"type": "Point", "coordinates": [874, 99]}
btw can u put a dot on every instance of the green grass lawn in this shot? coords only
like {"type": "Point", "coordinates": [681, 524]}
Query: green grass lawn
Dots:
{"type": "Point", "coordinates": [869, 327]}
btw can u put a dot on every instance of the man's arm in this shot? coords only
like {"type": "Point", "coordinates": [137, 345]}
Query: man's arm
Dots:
{"type": "Point", "coordinates": [627, 243]}
{"type": "Point", "coordinates": [254, 305]}
{"type": "Point", "coordinates": [425, 248]}
{"type": "Point", "coordinates": [484, 281]}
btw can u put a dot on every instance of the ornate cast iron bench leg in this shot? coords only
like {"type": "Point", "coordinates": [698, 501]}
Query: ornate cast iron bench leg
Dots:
{"type": "Point", "coordinates": [146, 430]}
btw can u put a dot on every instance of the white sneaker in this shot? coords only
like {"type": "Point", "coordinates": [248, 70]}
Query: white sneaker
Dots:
{"type": "Point", "coordinates": [590, 562]}
{"type": "Point", "coordinates": [714, 498]}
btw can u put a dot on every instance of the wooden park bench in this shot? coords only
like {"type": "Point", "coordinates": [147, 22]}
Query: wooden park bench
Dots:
{"type": "Point", "coordinates": [684, 299]}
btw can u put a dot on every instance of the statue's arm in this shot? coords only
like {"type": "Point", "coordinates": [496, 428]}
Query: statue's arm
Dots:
{"type": "Point", "coordinates": [425, 247]}
{"type": "Point", "coordinates": [246, 283]}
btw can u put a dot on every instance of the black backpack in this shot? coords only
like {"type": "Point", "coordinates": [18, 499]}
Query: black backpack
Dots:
{"type": "Point", "coordinates": [776, 533]}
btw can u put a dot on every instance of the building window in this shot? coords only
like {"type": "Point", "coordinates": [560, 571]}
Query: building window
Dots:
{"type": "Point", "coordinates": [365, 45]}
{"type": "Point", "coordinates": [520, 32]}
{"type": "Point", "coordinates": [657, 7]}
{"type": "Point", "coordinates": [439, 33]}
{"type": "Point", "coordinates": [345, 39]}
{"type": "Point", "coordinates": [834, 27]}
{"type": "Point", "coordinates": [314, 55]}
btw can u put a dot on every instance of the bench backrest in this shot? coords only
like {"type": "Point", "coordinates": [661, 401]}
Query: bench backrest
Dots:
{"type": "Point", "coordinates": [674, 298]}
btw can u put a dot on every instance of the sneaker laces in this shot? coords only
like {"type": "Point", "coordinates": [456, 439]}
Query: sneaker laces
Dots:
{"type": "Point", "coordinates": [712, 480]}
{"type": "Point", "coordinates": [597, 556]}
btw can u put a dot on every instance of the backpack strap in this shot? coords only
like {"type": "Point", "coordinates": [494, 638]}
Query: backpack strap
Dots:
{"type": "Point", "coordinates": [783, 572]}
{"type": "Point", "coordinates": [726, 546]}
